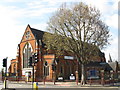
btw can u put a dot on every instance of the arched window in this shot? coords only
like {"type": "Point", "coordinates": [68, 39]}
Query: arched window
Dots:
{"type": "Point", "coordinates": [46, 69]}
{"type": "Point", "coordinates": [27, 52]}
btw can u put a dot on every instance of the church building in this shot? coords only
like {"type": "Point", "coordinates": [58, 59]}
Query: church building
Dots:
{"type": "Point", "coordinates": [64, 66]}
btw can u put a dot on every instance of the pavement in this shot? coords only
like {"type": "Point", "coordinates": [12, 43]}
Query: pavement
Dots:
{"type": "Point", "coordinates": [1, 85]}
{"type": "Point", "coordinates": [63, 85]}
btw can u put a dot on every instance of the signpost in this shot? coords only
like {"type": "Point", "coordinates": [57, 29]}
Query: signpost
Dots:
{"type": "Point", "coordinates": [69, 57]}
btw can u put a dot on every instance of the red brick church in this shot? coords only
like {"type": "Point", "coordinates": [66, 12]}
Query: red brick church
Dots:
{"type": "Point", "coordinates": [31, 42]}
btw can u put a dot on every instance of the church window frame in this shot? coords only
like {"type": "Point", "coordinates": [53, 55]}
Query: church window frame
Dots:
{"type": "Point", "coordinates": [27, 52]}
{"type": "Point", "coordinates": [27, 34]}
{"type": "Point", "coordinates": [46, 69]}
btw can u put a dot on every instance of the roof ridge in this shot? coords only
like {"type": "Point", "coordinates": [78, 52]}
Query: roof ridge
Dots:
{"type": "Point", "coordinates": [36, 29]}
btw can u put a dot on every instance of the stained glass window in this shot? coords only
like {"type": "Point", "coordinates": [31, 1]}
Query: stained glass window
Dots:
{"type": "Point", "coordinates": [26, 55]}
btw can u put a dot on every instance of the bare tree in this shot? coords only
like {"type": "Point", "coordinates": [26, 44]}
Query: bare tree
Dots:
{"type": "Point", "coordinates": [79, 30]}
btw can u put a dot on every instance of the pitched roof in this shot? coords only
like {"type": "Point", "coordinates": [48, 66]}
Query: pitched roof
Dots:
{"type": "Point", "coordinates": [37, 33]}
{"type": "Point", "coordinates": [94, 64]}
{"type": "Point", "coordinates": [103, 65]}
{"type": "Point", "coordinates": [114, 65]}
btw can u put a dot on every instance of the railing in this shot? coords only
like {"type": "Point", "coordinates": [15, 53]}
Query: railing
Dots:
{"type": "Point", "coordinates": [14, 78]}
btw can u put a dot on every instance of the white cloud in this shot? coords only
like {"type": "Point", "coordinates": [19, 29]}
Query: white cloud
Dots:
{"type": "Point", "coordinates": [112, 21]}
{"type": "Point", "coordinates": [115, 5]}
{"type": "Point", "coordinates": [39, 12]}
{"type": "Point", "coordinates": [40, 26]}
{"type": "Point", "coordinates": [9, 32]}
{"type": "Point", "coordinates": [112, 49]}
{"type": "Point", "coordinates": [105, 6]}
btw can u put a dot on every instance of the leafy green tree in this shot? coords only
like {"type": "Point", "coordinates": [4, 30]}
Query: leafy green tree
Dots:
{"type": "Point", "coordinates": [79, 30]}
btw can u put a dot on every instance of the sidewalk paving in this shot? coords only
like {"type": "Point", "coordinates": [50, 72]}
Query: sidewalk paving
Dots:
{"type": "Point", "coordinates": [67, 84]}
{"type": "Point", "coordinates": [59, 85]}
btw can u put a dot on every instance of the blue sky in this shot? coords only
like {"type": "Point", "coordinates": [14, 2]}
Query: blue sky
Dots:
{"type": "Point", "coordinates": [15, 15]}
